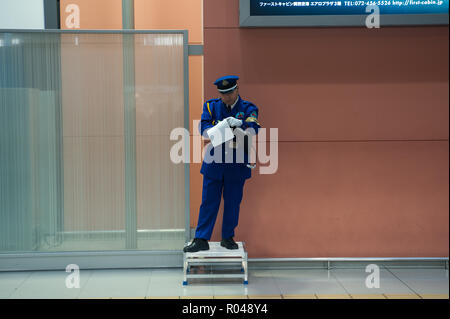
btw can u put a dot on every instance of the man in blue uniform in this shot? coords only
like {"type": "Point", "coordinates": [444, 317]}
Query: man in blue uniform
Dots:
{"type": "Point", "coordinates": [224, 177]}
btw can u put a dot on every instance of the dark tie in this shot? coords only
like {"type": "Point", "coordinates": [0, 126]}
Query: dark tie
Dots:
{"type": "Point", "coordinates": [229, 108]}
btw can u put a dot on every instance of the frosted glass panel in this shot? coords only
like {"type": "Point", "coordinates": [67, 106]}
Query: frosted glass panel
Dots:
{"type": "Point", "coordinates": [159, 109]}
{"type": "Point", "coordinates": [66, 142]}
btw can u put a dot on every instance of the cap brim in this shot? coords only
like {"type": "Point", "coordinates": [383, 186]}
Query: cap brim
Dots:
{"type": "Point", "coordinates": [228, 90]}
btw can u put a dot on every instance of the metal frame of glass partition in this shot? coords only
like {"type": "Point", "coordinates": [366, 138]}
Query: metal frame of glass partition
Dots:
{"type": "Point", "coordinates": [113, 258]}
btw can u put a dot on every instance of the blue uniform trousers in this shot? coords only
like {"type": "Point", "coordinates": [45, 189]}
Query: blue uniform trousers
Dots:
{"type": "Point", "coordinates": [212, 193]}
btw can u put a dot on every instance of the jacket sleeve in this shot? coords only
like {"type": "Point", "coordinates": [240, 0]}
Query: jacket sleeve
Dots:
{"type": "Point", "coordinates": [206, 120]}
{"type": "Point", "coordinates": [251, 118]}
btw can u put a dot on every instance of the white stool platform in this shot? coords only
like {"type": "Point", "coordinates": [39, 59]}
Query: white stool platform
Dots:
{"type": "Point", "coordinates": [216, 255]}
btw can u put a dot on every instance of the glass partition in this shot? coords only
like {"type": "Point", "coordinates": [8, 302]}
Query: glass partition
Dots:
{"type": "Point", "coordinates": [85, 122]}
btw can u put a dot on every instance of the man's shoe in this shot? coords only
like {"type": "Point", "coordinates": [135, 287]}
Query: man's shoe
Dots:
{"type": "Point", "coordinates": [229, 243]}
{"type": "Point", "coordinates": [197, 245]}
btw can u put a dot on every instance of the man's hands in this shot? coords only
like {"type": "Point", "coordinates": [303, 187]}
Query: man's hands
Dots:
{"type": "Point", "coordinates": [233, 122]}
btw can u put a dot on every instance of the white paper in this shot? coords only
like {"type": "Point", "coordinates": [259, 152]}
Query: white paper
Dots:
{"type": "Point", "coordinates": [220, 133]}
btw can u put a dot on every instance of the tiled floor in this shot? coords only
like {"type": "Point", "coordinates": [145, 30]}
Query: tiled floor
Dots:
{"type": "Point", "coordinates": [167, 283]}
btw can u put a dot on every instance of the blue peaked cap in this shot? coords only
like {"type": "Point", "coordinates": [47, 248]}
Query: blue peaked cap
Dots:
{"type": "Point", "coordinates": [226, 83]}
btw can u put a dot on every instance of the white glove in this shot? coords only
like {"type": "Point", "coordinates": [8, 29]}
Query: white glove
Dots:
{"type": "Point", "coordinates": [239, 131]}
{"type": "Point", "coordinates": [233, 122]}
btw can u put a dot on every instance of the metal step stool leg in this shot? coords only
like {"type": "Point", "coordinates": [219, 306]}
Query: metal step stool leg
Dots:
{"type": "Point", "coordinates": [245, 270]}
{"type": "Point", "coordinates": [185, 267]}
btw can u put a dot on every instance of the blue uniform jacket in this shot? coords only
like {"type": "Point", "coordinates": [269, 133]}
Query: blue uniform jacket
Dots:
{"type": "Point", "coordinates": [243, 110]}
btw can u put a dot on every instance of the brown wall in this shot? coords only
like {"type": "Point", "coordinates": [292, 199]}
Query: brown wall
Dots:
{"type": "Point", "coordinates": [363, 128]}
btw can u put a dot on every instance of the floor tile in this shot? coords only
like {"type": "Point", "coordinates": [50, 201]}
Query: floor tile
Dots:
{"type": "Point", "coordinates": [408, 296]}
{"type": "Point", "coordinates": [231, 297]}
{"type": "Point", "coordinates": [166, 291]}
{"type": "Point", "coordinates": [370, 296]}
{"type": "Point", "coordinates": [117, 283]}
{"type": "Point", "coordinates": [303, 274]}
{"type": "Point", "coordinates": [310, 296]}
{"type": "Point", "coordinates": [263, 283]}
{"type": "Point", "coordinates": [169, 274]}
{"type": "Point", "coordinates": [227, 289]}
{"type": "Point", "coordinates": [195, 287]}
{"type": "Point", "coordinates": [421, 273]}
{"type": "Point", "coordinates": [307, 281]}
{"type": "Point", "coordinates": [434, 296]}
{"type": "Point", "coordinates": [165, 283]}
{"type": "Point", "coordinates": [354, 282]}
{"type": "Point", "coordinates": [197, 291]}
{"type": "Point", "coordinates": [333, 296]}
{"type": "Point", "coordinates": [11, 281]}
{"type": "Point", "coordinates": [264, 296]}
{"type": "Point", "coordinates": [49, 285]}
{"type": "Point", "coordinates": [424, 281]}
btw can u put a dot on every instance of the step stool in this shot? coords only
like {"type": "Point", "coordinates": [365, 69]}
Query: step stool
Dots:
{"type": "Point", "coordinates": [214, 256]}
